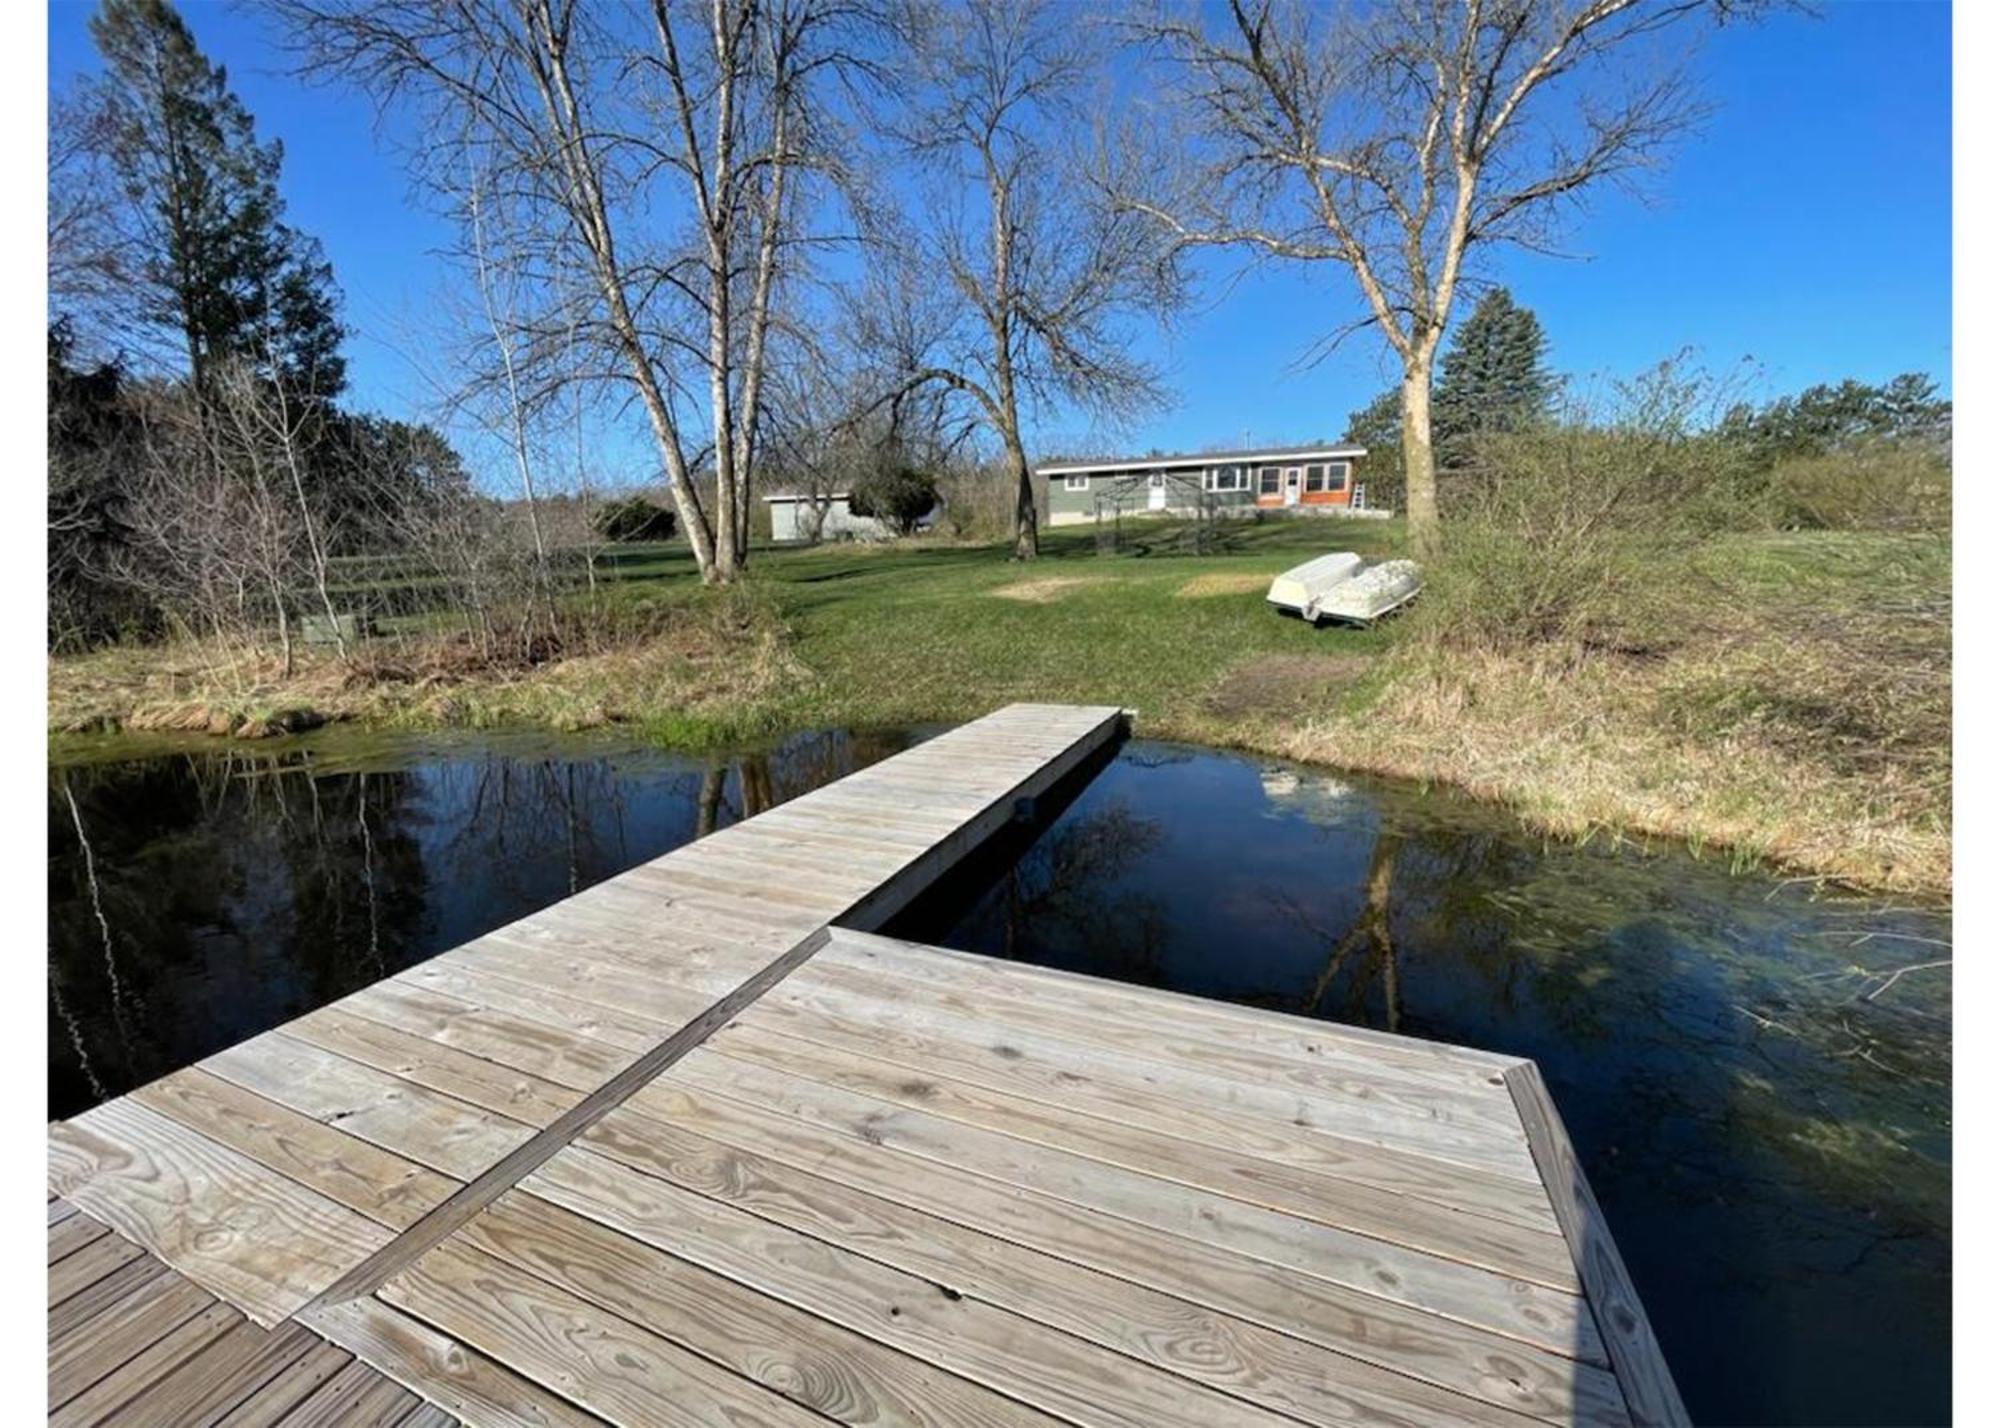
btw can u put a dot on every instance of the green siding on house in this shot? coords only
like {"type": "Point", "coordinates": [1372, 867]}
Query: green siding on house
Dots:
{"type": "Point", "coordinates": [1181, 492]}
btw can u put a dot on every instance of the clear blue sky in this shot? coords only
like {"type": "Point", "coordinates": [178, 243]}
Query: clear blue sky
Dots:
{"type": "Point", "coordinates": [1808, 227]}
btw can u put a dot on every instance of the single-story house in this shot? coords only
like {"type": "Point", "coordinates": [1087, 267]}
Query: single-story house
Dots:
{"type": "Point", "coordinates": [1301, 479]}
{"type": "Point", "coordinates": [793, 515]}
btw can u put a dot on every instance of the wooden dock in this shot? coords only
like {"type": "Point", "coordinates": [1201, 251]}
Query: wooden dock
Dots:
{"type": "Point", "coordinates": [697, 1146]}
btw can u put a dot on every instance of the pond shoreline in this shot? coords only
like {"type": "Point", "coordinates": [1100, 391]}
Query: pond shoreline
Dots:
{"type": "Point", "coordinates": [1745, 853]}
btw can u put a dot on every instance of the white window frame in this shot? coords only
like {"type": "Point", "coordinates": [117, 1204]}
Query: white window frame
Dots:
{"type": "Point", "coordinates": [1076, 483]}
{"type": "Point", "coordinates": [1227, 478]}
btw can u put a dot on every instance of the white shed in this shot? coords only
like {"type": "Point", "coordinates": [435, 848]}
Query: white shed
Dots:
{"type": "Point", "coordinates": [793, 517]}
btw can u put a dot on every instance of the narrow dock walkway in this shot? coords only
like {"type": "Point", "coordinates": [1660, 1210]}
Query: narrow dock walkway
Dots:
{"type": "Point", "coordinates": [695, 1146]}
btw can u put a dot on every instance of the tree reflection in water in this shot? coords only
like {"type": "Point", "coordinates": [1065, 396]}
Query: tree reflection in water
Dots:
{"type": "Point", "coordinates": [198, 898]}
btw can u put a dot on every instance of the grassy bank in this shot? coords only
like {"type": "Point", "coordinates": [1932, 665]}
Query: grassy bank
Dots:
{"type": "Point", "coordinates": [1797, 706]}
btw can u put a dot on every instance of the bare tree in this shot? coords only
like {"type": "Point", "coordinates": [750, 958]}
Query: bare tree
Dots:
{"type": "Point", "coordinates": [1401, 139]}
{"type": "Point", "coordinates": [90, 253]}
{"type": "Point", "coordinates": [1017, 283]}
{"type": "Point", "coordinates": [642, 172]}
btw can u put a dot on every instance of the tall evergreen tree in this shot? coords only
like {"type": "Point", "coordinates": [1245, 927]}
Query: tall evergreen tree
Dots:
{"type": "Point", "coordinates": [222, 273]}
{"type": "Point", "coordinates": [1495, 377]}
{"type": "Point", "coordinates": [1379, 427]}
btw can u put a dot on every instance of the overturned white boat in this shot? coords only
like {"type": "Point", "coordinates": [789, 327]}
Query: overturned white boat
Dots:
{"type": "Point", "coordinates": [1342, 588]}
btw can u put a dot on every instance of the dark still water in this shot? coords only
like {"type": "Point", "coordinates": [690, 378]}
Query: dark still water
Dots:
{"type": "Point", "coordinates": [225, 892]}
{"type": "Point", "coordinates": [1772, 1148]}
{"type": "Point", "coordinates": [1771, 1145]}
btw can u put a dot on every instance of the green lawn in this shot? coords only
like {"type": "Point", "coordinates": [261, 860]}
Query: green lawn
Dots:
{"type": "Point", "coordinates": [897, 635]}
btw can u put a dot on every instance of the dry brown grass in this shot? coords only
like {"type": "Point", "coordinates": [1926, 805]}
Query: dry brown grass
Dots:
{"type": "Point", "coordinates": [1044, 591]}
{"type": "Point", "coordinates": [685, 666]}
{"type": "Point", "coordinates": [1223, 582]}
{"type": "Point", "coordinates": [1581, 749]}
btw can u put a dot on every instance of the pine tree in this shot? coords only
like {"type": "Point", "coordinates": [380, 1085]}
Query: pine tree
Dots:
{"type": "Point", "coordinates": [1495, 376]}
{"type": "Point", "coordinates": [1379, 427]}
{"type": "Point", "coordinates": [221, 271]}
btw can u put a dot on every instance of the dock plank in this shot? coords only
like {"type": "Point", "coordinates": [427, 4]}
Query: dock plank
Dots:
{"type": "Point", "coordinates": [1413, 1223]}
{"type": "Point", "coordinates": [517, 1095]}
{"type": "Point", "coordinates": [1049, 1370]}
{"type": "Point", "coordinates": [1649, 1388]}
{"type": "Point", "coordinates": [452, 1136]}
{"type": "Point", "coordinates": [209, 1384]}
{"type": "Point", "coordinates": [477, 1388]}
{"type": "Point", "coordinates": [538, 1048]}
{"type": "Point", "coordinates": [1548, 1318]}
{"type": "Point", "coordinates": [602, 1363]}
{"type": "Point", "coordinates": [264, 1242]}
{"type": "Point", "coordinates": [823, 1367]}
{"type": "Point", "coordinates": [1000, 1064]}
{"type": "Point", "coordinates": [1279, 1370]}
{"type": "Point", "coordinates": [387, 1188]}
{"type": "Point", "coordinates": [1444, 1127]}
{"type": "Point", "coordinates": [1476, 1362]}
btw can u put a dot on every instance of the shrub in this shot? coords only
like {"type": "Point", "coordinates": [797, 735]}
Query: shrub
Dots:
{"type": "Point", "coordinates": [898, 496]}
{"type": "Point", "coordinates": [1573, 533]}
{"type": "Point", "coordinates": [634, 518]}
{"type": "Point", "coordinates": [1881, 485]}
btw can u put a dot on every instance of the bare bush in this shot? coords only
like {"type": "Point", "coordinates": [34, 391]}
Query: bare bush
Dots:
{"type": "Point", "coordinates": [1875, 486]}
{"type": "Point", "coordinates": [1561, 534]}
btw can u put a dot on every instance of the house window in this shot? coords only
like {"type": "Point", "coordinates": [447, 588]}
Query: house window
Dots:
{"type": "Point", "coordinates": [1336, 476]}
{"type": "Point", "coordinates": [1315, 478]}
{"type": "Point", "coordinates": [1267, 481]}
{"type": "Point", "coordinates": [1076, 483]}
{"type": "Point", "coordinates": [1227, 478]}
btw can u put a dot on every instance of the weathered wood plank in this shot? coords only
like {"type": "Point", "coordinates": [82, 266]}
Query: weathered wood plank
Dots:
{"type": "Point", "coordinates": [285, 1391]}
{"type": "Point", "coordinates": [265, 1243]}
{"type": "Point", "coordinates": [72, 1235]}
{"type": "Point", "coordinates": [1446, 1124]}
{"type": "Point", "coordinates": [1001, 1065]}
{"type": "Point", "coordinates": [615, 1369]}
{"type": "Point", "coordinates": [1046, 1369]}
{"type": "Point", "coordinates": [1642, 1370]}
{"type": "Point", "coordinates": [72, 1303]}
{"type": "Point", "coordinates": [1308, 1040]}
{"type": "Point", "coordinates": [1403, 1220]}
{"type": "Point", "coordinates": [1380, 1331]}
{"type": "Point", "coordinates": [353, 1396]}
{"type": "Point", "coordinates": [1277, 1370]}
{"type": "Point", "coordinates": [385, 1187]}
{"type": "Point", "coordinates": [138, 1374]}
{"type": "Point", "coordinates": [514, 1094]}
{"type": "Point", "coordinates": [487, 987]}
{"type": "Point", "coordinates": [211, 1383]}
{"type": "Point", "coordinates": [598, 980]}
{"type": "Point", "coordinates": [1550, 1319]}
{"type": "Point", "coordinates": [128, 1328]}
{"type": "Point", "coordinates": [449, 1135]}
{"type": "Point", "coordinates": [538, 1048]}
{"type": "Point", "coordinates": [421, 1358]}
{"type": "Point", "coordinates": [830, 1370]}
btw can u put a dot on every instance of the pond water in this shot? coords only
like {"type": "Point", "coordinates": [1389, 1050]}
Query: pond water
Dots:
{"type": "Point", "coordinates": [1771, 1143]}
